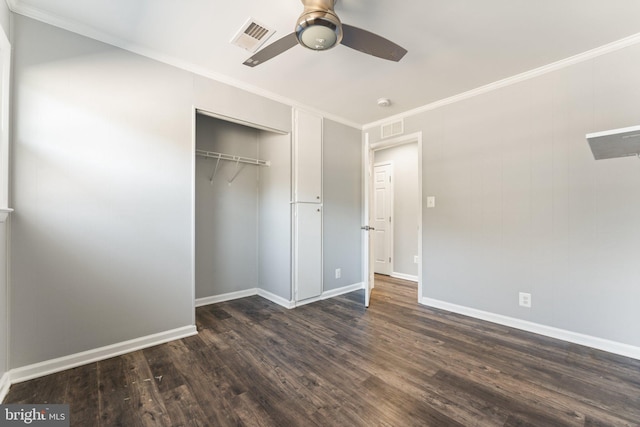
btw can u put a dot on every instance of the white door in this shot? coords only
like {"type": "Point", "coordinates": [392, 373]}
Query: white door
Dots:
{"type": "Point", "coordinates": [308, 251]}
{"type": "Point", "coordinates": [382, 217]}
{"type": "Point", "coordinates": [307, 146]}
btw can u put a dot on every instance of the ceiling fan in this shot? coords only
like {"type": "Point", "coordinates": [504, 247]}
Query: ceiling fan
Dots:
{"type": "Point", "coordinates": [319, 28]}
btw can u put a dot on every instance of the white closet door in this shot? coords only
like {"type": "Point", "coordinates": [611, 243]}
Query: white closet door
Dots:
{"type": "Point", "coordinates": [308, 157]}
{"type": "Point", "coordinates": [308, 257]}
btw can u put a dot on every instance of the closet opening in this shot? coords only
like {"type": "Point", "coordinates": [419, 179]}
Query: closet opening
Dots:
{"type": "Point", "coordinates": [242, 210]}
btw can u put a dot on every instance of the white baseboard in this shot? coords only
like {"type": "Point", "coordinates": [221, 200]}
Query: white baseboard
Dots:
{"type": "Point", "coordinates": [47, 367]}
{"type": "Point", "coordinates": [332, 294]}
{"type": "Point", "coordinates": [405, 277]}
{"type": "Point", "coordinates": [341, 291]}
{"type": "Point", "coordinates": [5, 383]}
{"type": "Point", "coordinates": [225, 297]}
{"type": "Point", "coordinates": [307, 301]}
{"type": "Point", "coordinates": [276, 299]}
{"type": "Point", "coordinates": [548, 331]}
{"type": "Point", "coordinates": [243, 294]}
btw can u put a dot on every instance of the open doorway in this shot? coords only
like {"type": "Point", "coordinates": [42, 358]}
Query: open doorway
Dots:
{"type": "Point", "coordinates": [393, 210]}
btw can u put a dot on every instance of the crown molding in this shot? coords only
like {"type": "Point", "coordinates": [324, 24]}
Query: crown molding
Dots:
{"type": "Point", "coordinates": [16, 6]}
{"type": "Point", "coordinates": [527, 75]}
{"type": "Point", "coordinates": [12, 4]}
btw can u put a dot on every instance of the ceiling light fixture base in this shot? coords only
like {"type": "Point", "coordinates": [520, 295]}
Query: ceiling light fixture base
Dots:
{"type": "Point", "coordinates": [319, 30]}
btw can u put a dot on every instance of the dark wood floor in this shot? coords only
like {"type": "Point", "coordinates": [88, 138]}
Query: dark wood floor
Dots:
{"type": "Point", "coordinates": [333, 363]}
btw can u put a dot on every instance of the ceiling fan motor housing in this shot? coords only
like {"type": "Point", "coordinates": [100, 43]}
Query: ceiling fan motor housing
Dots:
{"type": "Point", "coordinates": [319, 28]}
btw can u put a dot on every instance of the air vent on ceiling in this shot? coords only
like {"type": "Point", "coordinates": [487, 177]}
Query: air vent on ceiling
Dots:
{"type": "Point", "coordinates": [392, 129]}
{"type": "Point", "coordinates": [615, 143]}
{"type": "Point", "coordinates": [252, 35]}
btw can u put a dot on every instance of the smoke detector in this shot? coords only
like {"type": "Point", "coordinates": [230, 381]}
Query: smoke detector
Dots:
{"type": "Point", "coordinates": [384, 102]}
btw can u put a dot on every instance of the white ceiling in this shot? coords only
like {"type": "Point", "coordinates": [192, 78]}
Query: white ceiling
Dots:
{"type": "Point", "coordinates": [454, 45]}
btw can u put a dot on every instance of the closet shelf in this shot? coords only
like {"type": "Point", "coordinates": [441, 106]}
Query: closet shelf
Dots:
{"type": "Point", "coordinates": [232, 158]}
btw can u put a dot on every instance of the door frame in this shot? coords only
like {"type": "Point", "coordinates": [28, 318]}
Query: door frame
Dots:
{"type": "Point", "coordinates": [368, 157]}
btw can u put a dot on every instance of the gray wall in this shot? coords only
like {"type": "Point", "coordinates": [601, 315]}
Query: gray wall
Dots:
{"type": "Point", "coordinates": [274, 215]}
{"type": "Point", "coordinates": [523, 206]}
{"type": "Point", "coordinates": [226, 213]}
{"type": "Point", "coordinates": [243, 228]}
{"type": "Point", "coordinates": [406, 203]}
{"type": "Point", "coordinates": [342, 200]}
{"type": "Point", "coordinates": [102, 237]}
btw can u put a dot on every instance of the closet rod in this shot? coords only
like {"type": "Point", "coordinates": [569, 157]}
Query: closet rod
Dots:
{"type": "Point", "coordinates": [232, 158]}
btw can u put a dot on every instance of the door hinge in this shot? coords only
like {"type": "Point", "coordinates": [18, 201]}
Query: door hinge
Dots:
{"type": "Point", "coordinates": [389, 219]}
{"type": "Point", "coordinates": [389, 259]}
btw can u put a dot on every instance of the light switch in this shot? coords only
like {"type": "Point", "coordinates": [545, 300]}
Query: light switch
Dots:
{"type": "Point", "coordinates": [431, 201]}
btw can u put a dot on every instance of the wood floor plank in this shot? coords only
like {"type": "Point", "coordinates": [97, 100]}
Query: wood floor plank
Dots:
{"type": "Point", "coordinates": [335, 363]}
{"type": "Point", "coordinates": [143, 391]}
{"type": "Point", "coordinates": [114, 397]}
{"type": "Point", "coordinates": [183, 409]}
{"type": "Point", "coordinates": [48, 389]}
{"type": "Point", "coordinates": [83, 391]}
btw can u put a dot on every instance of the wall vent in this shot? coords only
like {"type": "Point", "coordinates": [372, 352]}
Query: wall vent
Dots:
{"type": "Point", "coordinates": [252, 35]}
{"type": "Point", "coordinates": [615, 143]}
{"type": "Point", "coordinates": [388, 130]}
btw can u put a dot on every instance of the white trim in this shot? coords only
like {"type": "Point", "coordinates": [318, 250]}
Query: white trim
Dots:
{"type": "Point", "coordinates": [548, 331]}
{"type": "Point", "coordinates": [325, 295]}
{"type": "Point", "coordinates": [307, 301]}
{"type": "Point", "coordinates": [47, 367]}
{"type": "Point", "coordinates": [241, 122]}
{"type": "Point", "coordinates": [536, 72]}
{"type": "Point", "coordinates": [276, 299]}
{"type": "Point", "coordinates": [226, 297]}
{"type": "Point", "coordinates": [341, 291]}
{"type": "Point", "coordinates": [86, 31]}
{"type": "Point", "coordinates": [5, 117]}
{"type": "Point", "coordinates": [200, 302]}
{"type": "Point", "coordinates": [194, 116]}
{"type": "Point", "coordinates": [403, 276]}
{"type": "Point", "coordinates": [5, 383]}
{"type": "Point", "coordinates": [367, 264]}
{"type": "Point", "coordinates": [4, 214]}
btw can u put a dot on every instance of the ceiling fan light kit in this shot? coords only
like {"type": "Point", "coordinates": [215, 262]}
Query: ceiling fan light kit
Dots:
{"type": "Point", "coordinates": [319, 28]}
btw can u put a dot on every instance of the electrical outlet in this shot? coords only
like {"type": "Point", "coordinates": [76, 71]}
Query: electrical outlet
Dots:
{"type": "Point", "coordinates": [525, 300]}
{"type": "Point", "coordinates": [415, 259]}
{"type": "Point", "coordinates": [338, 273]}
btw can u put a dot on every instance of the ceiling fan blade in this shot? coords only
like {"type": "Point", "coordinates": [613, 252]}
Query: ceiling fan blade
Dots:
{"type": "Point", "coordinates": [274, 49]}
{"type": "Point", "coordinates": [372, 44]}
